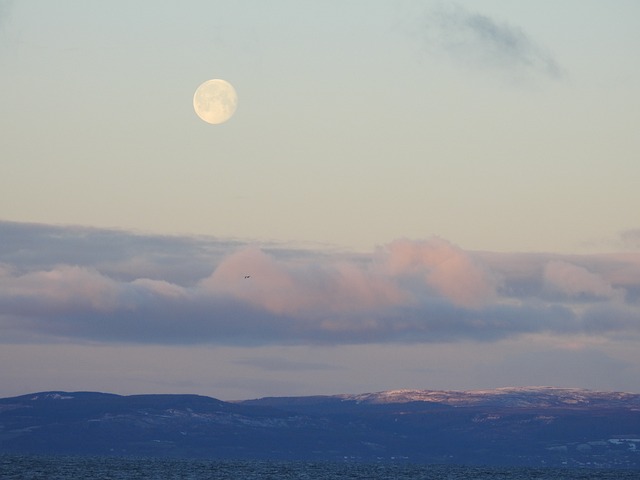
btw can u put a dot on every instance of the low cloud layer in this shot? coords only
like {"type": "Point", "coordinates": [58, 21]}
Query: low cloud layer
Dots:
{"type": "Point", "coordinates": [60, 283]}
{"type": "Point", "coordinates": [479, 41]}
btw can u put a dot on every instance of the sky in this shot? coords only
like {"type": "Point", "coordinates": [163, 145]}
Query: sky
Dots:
{"type": "Point", "coordinates": [411, 194]}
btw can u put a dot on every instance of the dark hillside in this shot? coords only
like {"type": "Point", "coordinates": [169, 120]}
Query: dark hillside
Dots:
{"type": "Point", "coordinates": [576, 428]}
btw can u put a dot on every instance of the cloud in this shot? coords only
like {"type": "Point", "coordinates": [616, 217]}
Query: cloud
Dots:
{"type": "Point", "coordinates": [442, 266]}
{"type": "Point", "coordinates": [129, 288]}
{"type": "Point", "coordinates": [300, 288]}
{"type": "Point", "coordinates": [63, 289]}
{"type": "Point", "coordinates": [476, 40]}
{"type": "Point", "coordinates": [118, 254]}
{"type": "Point", "coordinates": [578, 282]}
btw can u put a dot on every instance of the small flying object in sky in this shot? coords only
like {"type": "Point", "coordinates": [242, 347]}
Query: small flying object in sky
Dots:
{"type": "Point", "coordinates": [247, 276]}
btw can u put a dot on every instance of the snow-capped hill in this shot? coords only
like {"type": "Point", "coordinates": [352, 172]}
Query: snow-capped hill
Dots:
{"type": "Point", "coordinates": [505, 396]}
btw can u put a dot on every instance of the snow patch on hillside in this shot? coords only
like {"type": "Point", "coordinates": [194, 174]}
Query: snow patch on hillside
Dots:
{"type": "Point", "coordinates": [506, 396]}
{"type": "Point", "coordinates": [51, 396]}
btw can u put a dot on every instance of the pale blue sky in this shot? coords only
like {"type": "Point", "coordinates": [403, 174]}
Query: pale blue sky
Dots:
{"type": "Point", "coordinates": [501, 127]}
{"type": "Point", "coordinates": [358, 122]}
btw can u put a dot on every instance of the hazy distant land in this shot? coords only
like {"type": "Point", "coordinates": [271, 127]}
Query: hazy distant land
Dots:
{"type": "Point", "coordinates": [534, 426]}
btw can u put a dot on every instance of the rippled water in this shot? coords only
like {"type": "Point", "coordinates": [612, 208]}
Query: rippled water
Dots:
{"type": "Point", "coordinates": [80, 468]}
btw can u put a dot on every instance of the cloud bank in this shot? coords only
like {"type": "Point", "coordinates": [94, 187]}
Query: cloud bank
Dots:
{"type": "Point", "coordinates": [61, 283]}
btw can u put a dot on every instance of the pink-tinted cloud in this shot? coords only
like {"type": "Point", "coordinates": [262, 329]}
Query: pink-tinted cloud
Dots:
{"type": "Point", "coordinates": [407, 291]}
{"type": "Point", "coordinates": [576, 281]}
{"type": "Point", "coordinates": [292, 288]}
{"type": "Point", "coordinates": [446, 268]}
{"type": "Point", "coordinates": [62, 289]}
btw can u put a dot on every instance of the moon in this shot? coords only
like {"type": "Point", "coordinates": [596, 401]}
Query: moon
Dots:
{"type": "Point", "coordinates": [215, 101]}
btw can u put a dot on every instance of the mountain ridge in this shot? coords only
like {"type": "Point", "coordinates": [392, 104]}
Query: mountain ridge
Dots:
{"type": "Point", "coordinates": [528, 396]}
{"type": "Point", "coordinates": [535, 426]}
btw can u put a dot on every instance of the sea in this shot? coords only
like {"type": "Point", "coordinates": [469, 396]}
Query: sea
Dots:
{"type": "Point", "coordinates": [114, 468]}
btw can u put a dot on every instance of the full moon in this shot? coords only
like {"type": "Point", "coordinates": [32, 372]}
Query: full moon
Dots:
{"type": "Point", "coordinates": [215, 101]}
